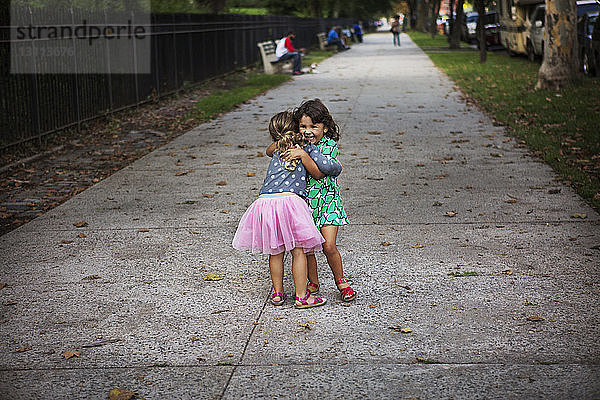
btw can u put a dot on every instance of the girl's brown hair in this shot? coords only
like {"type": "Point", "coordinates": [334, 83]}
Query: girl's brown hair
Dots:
{"type": "Point", "coordinates": [318, 113]}
{"type": "Point", "coordinates": [284, 131]}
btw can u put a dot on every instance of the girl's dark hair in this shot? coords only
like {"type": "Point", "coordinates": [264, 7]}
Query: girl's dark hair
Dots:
{"type": "Point", "coordinates": [316, 110]}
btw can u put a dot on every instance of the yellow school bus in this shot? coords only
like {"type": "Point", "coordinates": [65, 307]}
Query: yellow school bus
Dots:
{"type": "Point", "coordinates": [515, 23]}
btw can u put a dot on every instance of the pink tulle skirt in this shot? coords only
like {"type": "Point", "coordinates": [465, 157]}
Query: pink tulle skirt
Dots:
{"type": "Point", "coordinates": [275, 223]}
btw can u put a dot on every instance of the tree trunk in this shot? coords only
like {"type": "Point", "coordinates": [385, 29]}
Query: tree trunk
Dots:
{"type": "Point", "coordinates": [314, 7]}
{"type": "Point", "coordinates": [456, 25]}
{"type": "Point", "coordinates": [422, 8]}
{"type": "Point", "coordinates": [560, 45]}
{"type": "Point", "coordinates": [435, 12]}
{"type": "Point", "coordinates": [450, 18]}
{"type": "Point", "coordinates": [412, 12]}
{"type": "Point", "coordinates": [480, 32]}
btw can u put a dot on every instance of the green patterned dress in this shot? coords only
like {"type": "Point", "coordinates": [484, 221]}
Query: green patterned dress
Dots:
{"type": "Point", "coordinates": [323, 195]}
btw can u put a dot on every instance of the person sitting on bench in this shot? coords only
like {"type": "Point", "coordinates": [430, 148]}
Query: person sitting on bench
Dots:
{"type": "Point", "coordinates": [334, 38]}
{"type": "Point", "coordinates": [285, 50]}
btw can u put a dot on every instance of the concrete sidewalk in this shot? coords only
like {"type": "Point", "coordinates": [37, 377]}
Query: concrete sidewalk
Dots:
{"type": "Point", "coordinates": [502, 298]}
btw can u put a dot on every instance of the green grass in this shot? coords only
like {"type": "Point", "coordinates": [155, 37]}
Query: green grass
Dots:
{"type": "Point", "coordinates": [245, 88]}
{"type": "Point", "coordinates": [439, 42]}
{"type": "Point", "coordinates": [315, 57]}
{"type": "Point", "coordinates": [562, 128]}
{"type": "Point", "coordinates": [248, 11]}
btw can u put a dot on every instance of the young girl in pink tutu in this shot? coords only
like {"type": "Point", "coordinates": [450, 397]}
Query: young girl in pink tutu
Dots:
{"type": "Point", "coordinates": [279, 220]}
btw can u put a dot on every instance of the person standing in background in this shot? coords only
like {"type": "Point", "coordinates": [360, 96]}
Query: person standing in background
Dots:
{"type": "Point", "coordinates": [396, 30]}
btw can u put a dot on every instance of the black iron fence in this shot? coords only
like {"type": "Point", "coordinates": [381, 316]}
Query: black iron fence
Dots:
{"type": "Point", "coordinates": [185, 48]}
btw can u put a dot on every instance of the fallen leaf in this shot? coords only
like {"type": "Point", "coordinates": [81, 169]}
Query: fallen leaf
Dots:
{"type": "Point", "coordinates": [535, 318]}
{"type": "Point", "coordinates": [386, 243]}
{"type": "Point", "coordinates": [374, 132]}
{"type": "Point", "coordinates": [66, 241]}
{"type": "Point", "coordinates": [450, 213]}
{"type": "Point", "coordinates": [181, 173]}
{"type": "Point", "coordinates": [221, 183]}
{"type": "Point", "coordinates": [92, 277]}
{"type": "Point", "coordinates": [401, 132]}
{"type": "Point", "coordinates": [212, 277]}
{"type": "Point", "coordinates": [22, 349]}
{"type": "Point", "coordinates": [80, 224]}
{"type": "Point", "coordinates": [143, 230]}
{"type": "Point", "coordinates": [508, 272]}
{"type": "Point", "coordinates": [82, 235]}
{"type": "Point", "coordinates": [260, 154]}
{"type": "Point", "coordinates": [71, 353]}
{"type": "Point", "coordinates": [2, 285]}
{"type": "Point", "coordinates": [496, 155]}
{"type": "Point", "coordinates": [10, 303]}
{"type": "Point", "coordinates": [250, 174]}
{"type": "Point", "coordinates": [120, 394]}
{"type": "Point", "coordinates": [402, 329]}
{"type": "Point", "coordinates": [579, 215]}
{"type": "Point", "coordinates": [511, 201]}
{"type": "Point", "coordinates": [437, 204]}
{"type": "Point", "coordinates": [417, 246]}
{"type": "Point", "coordinates": [208, 195]}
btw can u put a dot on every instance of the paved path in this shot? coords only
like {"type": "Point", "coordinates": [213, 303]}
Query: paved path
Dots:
{"type": "Point", "coordinates": [127, 289]}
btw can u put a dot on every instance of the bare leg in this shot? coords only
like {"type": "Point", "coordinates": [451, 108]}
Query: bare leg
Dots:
{"type": "Point", "coordinates": [299, 271]}
{"type": "Point", "coordinates": [311, 262]}
{"type": "Point", "coordinates": [276, 268]}
{"type": "Point", "coordinates": [334, 259]}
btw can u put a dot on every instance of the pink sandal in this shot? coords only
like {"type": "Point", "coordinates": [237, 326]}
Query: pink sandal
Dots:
{"type": "Point", "coordinates": [282, 296]}
{"type": "Point", "coordinates": [316, 287]}
{"type": "Point", "coordinates": [348, 294]}
{"type": "Point", "coordinates": [318, 301]}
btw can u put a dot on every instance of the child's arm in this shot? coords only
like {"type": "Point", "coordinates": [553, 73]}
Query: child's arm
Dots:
{"type": "Point", "coordinates": [271, 149]}
{"type": "Point", "coordinates": [328, 165]}
{"type": "Point", "coordinates": [325, 165]}
{"type": "Point", "coordinates": [309, 163]}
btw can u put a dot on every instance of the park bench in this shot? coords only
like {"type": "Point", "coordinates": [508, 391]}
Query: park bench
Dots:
{"type": "Point", "coordinates": [323, 45]}
{"type": "Point", "coordinates": [270, 62]}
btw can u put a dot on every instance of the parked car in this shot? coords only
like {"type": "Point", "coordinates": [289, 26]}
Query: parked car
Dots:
{"type": "Point", "coordinates": [535, 32]}
{"type": "Point", "coordinates": [491, 25]}
{"type": "Point", "coordinates": [469, 27]}
{"type": "Point", "coordinates": [587, 6]}
{"type": "Point", "coordinates": [585, 30]}
{"type": "Point", "coordinates": [535, 41]}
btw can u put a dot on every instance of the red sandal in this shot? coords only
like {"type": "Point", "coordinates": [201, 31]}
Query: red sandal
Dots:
{"type": "Point", "coordinates": [348, 294]}
{"type": "Point", "coordinates": [302, 302]}
{"type": "Point", "coordinates": [281, 296]}
{"type": "Point", "coordinates": [315, 286]}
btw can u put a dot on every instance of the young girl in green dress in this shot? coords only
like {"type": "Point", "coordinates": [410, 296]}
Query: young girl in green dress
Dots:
{"type": "Point", "coordinates": [323, 195]}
